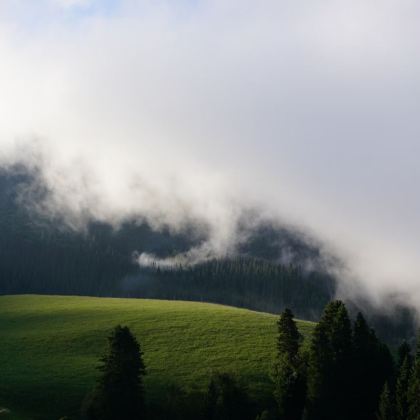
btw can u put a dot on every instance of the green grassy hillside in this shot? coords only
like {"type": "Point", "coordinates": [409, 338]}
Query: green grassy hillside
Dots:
{"type": "Point", "coordinates": [50, 346]}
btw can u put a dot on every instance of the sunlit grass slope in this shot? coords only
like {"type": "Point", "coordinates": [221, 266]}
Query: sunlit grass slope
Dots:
{"type": "Point", "coordinates": [50, 347]}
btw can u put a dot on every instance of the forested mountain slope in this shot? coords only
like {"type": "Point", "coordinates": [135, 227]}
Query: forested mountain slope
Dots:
{"type": "Point", "coordinates": [273, 268]}
{"type": "Point", "coordinates": [39, 255]}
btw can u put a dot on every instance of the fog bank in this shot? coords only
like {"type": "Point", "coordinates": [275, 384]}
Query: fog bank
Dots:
{"type": "Point", "coordinates": [196, 112]}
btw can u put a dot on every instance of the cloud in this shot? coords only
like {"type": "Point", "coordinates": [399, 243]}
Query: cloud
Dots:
{"type": "Point", "coordinates": [192, 112]}
{"type": "Point", "coordinates": [71, 3]}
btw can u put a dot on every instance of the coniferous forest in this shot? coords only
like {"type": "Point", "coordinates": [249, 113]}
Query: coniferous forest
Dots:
{"type": "Point", "coordinates": [41, 256]}
{"type": "Point", "coordinates": [243, 282]}
{"type": "Point", "coordinates": [36, 257]}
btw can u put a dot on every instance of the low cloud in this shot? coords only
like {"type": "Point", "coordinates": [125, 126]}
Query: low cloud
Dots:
{"type": "Point", "coordinates": [191, 113]}
{"type": "Point", "coordinates": [71, 3]}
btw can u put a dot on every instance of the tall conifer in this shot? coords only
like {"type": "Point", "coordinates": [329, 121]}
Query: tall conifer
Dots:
{"type": "Point", "coordinates": [386, 406]}
{"type": "Point", "coordinates": [404, 351]}
{"type": "Point", "coordinates": [414, 387]}
{"type": "Point", "coordinates": [330, 370]}
{"type": "Point", "coordinates": [373, 366]}
{"type": "Point", "coordinates": [401, 391]}
{"type": "Point", "coordinates": [119, 391]}
{"type": "Point", "coordinates": [289, 372]}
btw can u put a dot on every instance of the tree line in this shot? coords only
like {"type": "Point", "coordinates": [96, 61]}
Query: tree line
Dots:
{"type": "Point", "coordinates": [242, 282]}
{"type": "Point", "coordinates": [342, 372]}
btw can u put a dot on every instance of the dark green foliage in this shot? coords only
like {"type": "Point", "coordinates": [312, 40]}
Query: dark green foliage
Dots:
{"type": "Point", "coordinates": [386, 405]}
{"type": "Point", "coordinates": [289, 371]}
{"type": "Point", "coordinates": [177, 405]}
{"type": "Point", "coordinates": [289, 338]}
{"type": "Point", "coordinates": [227, 400]}
{"type": "Point", "coordinates": [346, 369]}
{"type": "Point", "coordinates": [242, 281]}
{"type": "Point", "coordinates": [404, 352]}
{"type": "Point", "coordinates": [372, 366]}
{"type": "Point", "coordinates": [290, 388]}
{"type": "Point", "coordinates": [401, 390]}
{"type": "Point", "coordinates": [330, 366]}
{"type": "Point", "coordinates": [414, 387]}
{"type": "Point", "coordinates": [266, 415]}
{"type": "Point", "coordinates": [119, 392]}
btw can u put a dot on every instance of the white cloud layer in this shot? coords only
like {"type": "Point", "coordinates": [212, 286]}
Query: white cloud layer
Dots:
{"type": "Point", "coordinates": [71, 3]}
{"type": "Point", "coordinates": [180, 111]}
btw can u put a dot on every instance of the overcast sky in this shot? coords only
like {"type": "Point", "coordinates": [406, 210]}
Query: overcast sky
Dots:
{"type": "Point", "coordinates": [194, 110]}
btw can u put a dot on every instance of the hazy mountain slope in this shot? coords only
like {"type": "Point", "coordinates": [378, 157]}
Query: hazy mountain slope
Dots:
{"type": "Point", "coordinates": [40, 255]}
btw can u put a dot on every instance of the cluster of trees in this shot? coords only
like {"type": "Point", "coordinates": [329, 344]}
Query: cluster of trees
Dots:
{"type": "Point", "coordinates": [243, 282]}
{"type": "Point", "coordinates": [343, 372]}
{"type": "Point", "coordinates": [400, 399]}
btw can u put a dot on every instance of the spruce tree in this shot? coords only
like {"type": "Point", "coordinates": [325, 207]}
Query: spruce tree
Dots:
{"type": "Point", "coordinates": [404, 351]}
{"type": "Point", "coordinates": [289, 338]}
{"type": "Point", "coordinates": [401, 391]}
{"type": "Point", "coordinates": [373, 366]}
{"type": "Point", "coordinates": [330, 370]}
{"type": "Point", "coordinates": [413, 396]}
{"type": "Point", "coordinates": [289, 373]}
{"type": "Point", "coordinates": [386, 406]}
{"type": "Point", "coordinates": [119, 390]}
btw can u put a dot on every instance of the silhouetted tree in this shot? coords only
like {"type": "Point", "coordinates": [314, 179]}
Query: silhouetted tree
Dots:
{"type": "Point", "coordinates": [372, 366]}
{"type": "Point", "coordinates": [404, 352]}
{"type": "Point", "coordinates": [119, 391]}
{"type": "Point", "coordinates": [289, 337]}
{"type": "Point", "coordinates": [289, 374]}
{"type": "Point", "coordinates": [330, 369]}
{"type": "Point", "coordinates": [401, 390]}
{"type": "Point", "coordinates": [414, 387]}
{"type": "Point", "coordinates": [386, 405]}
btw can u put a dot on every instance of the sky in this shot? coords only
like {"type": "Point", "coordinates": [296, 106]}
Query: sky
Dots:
{"type": "Point", "coordinates": [192, 111]}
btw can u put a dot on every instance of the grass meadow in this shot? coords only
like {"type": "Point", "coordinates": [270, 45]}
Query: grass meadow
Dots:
{"type": "Point", "coordinates": [50, 346]}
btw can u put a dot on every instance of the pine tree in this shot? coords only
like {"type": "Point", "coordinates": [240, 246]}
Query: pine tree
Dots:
{"type": "Point", "coordinates": [330, 370]}
{"type": "Point", "coordinates": [289, 372]}
{"type": "Point", "coordinates": [373, 366]}
{"type": "Point", "coordinates": [401, 391]}
{"type": "Point", "coordinates": [386, 406]}
{"type": "Point", "coordinates": [404, 351]}
{"type": "Point", "coordinates": [119, 391]}
{"type": "Point", "coordinates": [413, 396]}
{"type": "Point", "coordinates": [289, 338]}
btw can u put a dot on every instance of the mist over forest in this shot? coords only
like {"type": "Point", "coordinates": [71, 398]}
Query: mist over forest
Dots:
{"type": "Point", "coordinates": [271, 267]}
{"type": "Point", "coordinates": [195, 114]}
